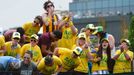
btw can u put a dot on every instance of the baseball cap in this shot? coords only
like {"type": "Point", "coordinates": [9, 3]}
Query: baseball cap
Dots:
{"type": "Point", "coordinates": [77, 50]}
{"type": "Point", "coordinates": [98, 29]}
{"type": "Point", "coordinates": [90, 26]}
{"type": "Point", "coordinates": [126, 40]}
{"type": "Point", "coordinates": [82, 35]}
{"type": "Point", "coordinates": [35, 36]}
{"type": "Point", "coordinates": [16, 35]}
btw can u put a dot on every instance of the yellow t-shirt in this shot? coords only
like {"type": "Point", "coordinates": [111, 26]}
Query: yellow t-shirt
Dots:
{"type": "Point", "coordinates": [87, 38]}
{"type": "Point", "coordinates": [67, 61]}
{"type": "Point", "coordinates": [121, 64]}
{"type": "Point", "coordinates": [95, 66]}
{"type": "Point", "coordinates": [103, 62]}
{"type": "Point", "coordinates": [12, 51]}
{"type": "Point", "coordinates": [48, 70]}
{"type": "Point", "coordinates": [68, 39]}
{"type": "Point", "coordinates": [83, 66]}
{"type": "Point", "coordinates": [37, 56]}
{"type": "Point", "coordinates": [2, 43]}
{"type": "Point", "coordinates": [30, 29]}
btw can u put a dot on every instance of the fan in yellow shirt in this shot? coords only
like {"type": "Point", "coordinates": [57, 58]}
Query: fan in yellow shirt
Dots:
{"type": "Point", "coordinates": [32, 46]}
{"type": "Point", "coordinates": [123, 58]}
{"type": "Point", "coordinates": [32, 27]}
{"type": "Point", "coordinates": [69, 32]}
{"type": "Point", "coordinates": [12, 47]}
{"type": "Point", "coordinates": [50, 64]}
{"type": "Point", "coordinates": [70, 59]}
{"type": "Point", "coordinates": [84, 57]}
{"type": "Point", "coordinates": [2, 46]}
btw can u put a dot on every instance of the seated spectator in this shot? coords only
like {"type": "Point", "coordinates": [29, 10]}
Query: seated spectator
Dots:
{"type": "Point", "coordinates": [123, 58]}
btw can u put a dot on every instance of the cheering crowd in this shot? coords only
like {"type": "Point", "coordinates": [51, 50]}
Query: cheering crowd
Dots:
{"type": "Point", "coordinates": [61, 50]}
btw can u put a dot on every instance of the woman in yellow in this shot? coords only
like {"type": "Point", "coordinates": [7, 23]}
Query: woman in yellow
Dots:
{"type": "Point", "coordinates": [103, 59]}
{"type": "Point", "coordinates": [50, 64]}
{"type": "Point", "coordinates": [123, 58]}
{"type": "Point", "coordinates": [69, 32]}
{"type": "Point", "coordinates": [12, 47]}
{"type": "Point", "coordinates": [32, 46]}
{"type": "Point", "coordinates": [31, 28]}
{"type": "Point", "coordinates": [85, 56]}
{"type": "Point", "coordinates": [70, 59]}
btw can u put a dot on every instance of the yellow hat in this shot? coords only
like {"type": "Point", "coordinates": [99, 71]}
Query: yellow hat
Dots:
{"type": "Point", "coordinates": [16, 35]}
{"type": "Point", "coordinates": [35, 36]}
{"type": "Point", "coordinates": [82, 35]}
{"type": "Point", "coordinates": [126, 40]}
{"type": "Point", "coordinates": [77, 50]}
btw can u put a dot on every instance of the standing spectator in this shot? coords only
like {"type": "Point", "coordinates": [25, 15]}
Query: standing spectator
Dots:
{"type": "Point", "coordinates": [69, 33]}
{"type": "Point", "coordinates": [27, 66]}
{"type": "Point", "coordinates": [46, 40]}
{"type": "Point", "coordinates": [32, 46]}
{"type": "Point", "coordinates": [31, 28]}
{"type": "Point", "coordinates": [12, 47]}
{"type": "Point", "coordinates": [103, 58]}
{"type": "Point", "coordinates": [123, 58]}
{"type": "Point", "coordinates": [50, 19]}
{"type": "Point", "coordinates": [85, 56]}
{"type": "Point", "coordinates": [70, 59]}
{"type": "Point", "coordinates": [50, 64]}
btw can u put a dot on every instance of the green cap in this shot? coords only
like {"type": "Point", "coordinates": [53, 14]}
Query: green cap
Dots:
{"type": "Point", "coordinates": [90, 26]}
{"type": "Point", "coordinates": [98, 29]}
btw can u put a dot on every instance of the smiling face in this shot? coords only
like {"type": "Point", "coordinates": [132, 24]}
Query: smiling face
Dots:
{"type": "Point", "coordinates": [27, 58]}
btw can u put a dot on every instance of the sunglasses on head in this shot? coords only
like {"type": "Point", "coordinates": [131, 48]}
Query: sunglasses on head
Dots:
{"type": "Point", "coordinates": [48, 6]}
{"type": "Point", "coordinates": [33, 40]}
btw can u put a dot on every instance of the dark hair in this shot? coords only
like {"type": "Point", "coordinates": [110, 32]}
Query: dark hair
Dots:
{"type": "Point", "coordinates": [21, 31]}
{"type": "Point", "coordinates": [46, 3]}
{"type": "Point", "coordinates": [40, 19]}
{"type": "Point", "coordinates": [29, 52]}
{"type": "Point", "coordinates": [108, 51]}
{"type": "Point", "coordinates": [102, 35]}
{"type": "Point", "coordinates": [58, 34]}
{"type": "Point", "coordinates": [48, 59]}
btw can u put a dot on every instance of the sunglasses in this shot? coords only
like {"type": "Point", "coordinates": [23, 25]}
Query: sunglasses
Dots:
{"type": "Point", "coordinates": [33, 40]}
{"type": "Point", "coordinates": [49, 6]}
{"type": "Point", "coordinates": [36, 22]}
{"type": "Point", "coordinates": [27, 58]}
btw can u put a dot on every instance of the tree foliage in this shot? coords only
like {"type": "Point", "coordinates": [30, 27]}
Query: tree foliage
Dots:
{"type": "Point", "coordinates": [131, 33]}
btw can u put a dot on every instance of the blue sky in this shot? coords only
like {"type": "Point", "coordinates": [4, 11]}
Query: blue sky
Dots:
{"type": "Point", "coordinates": [17, 12]}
